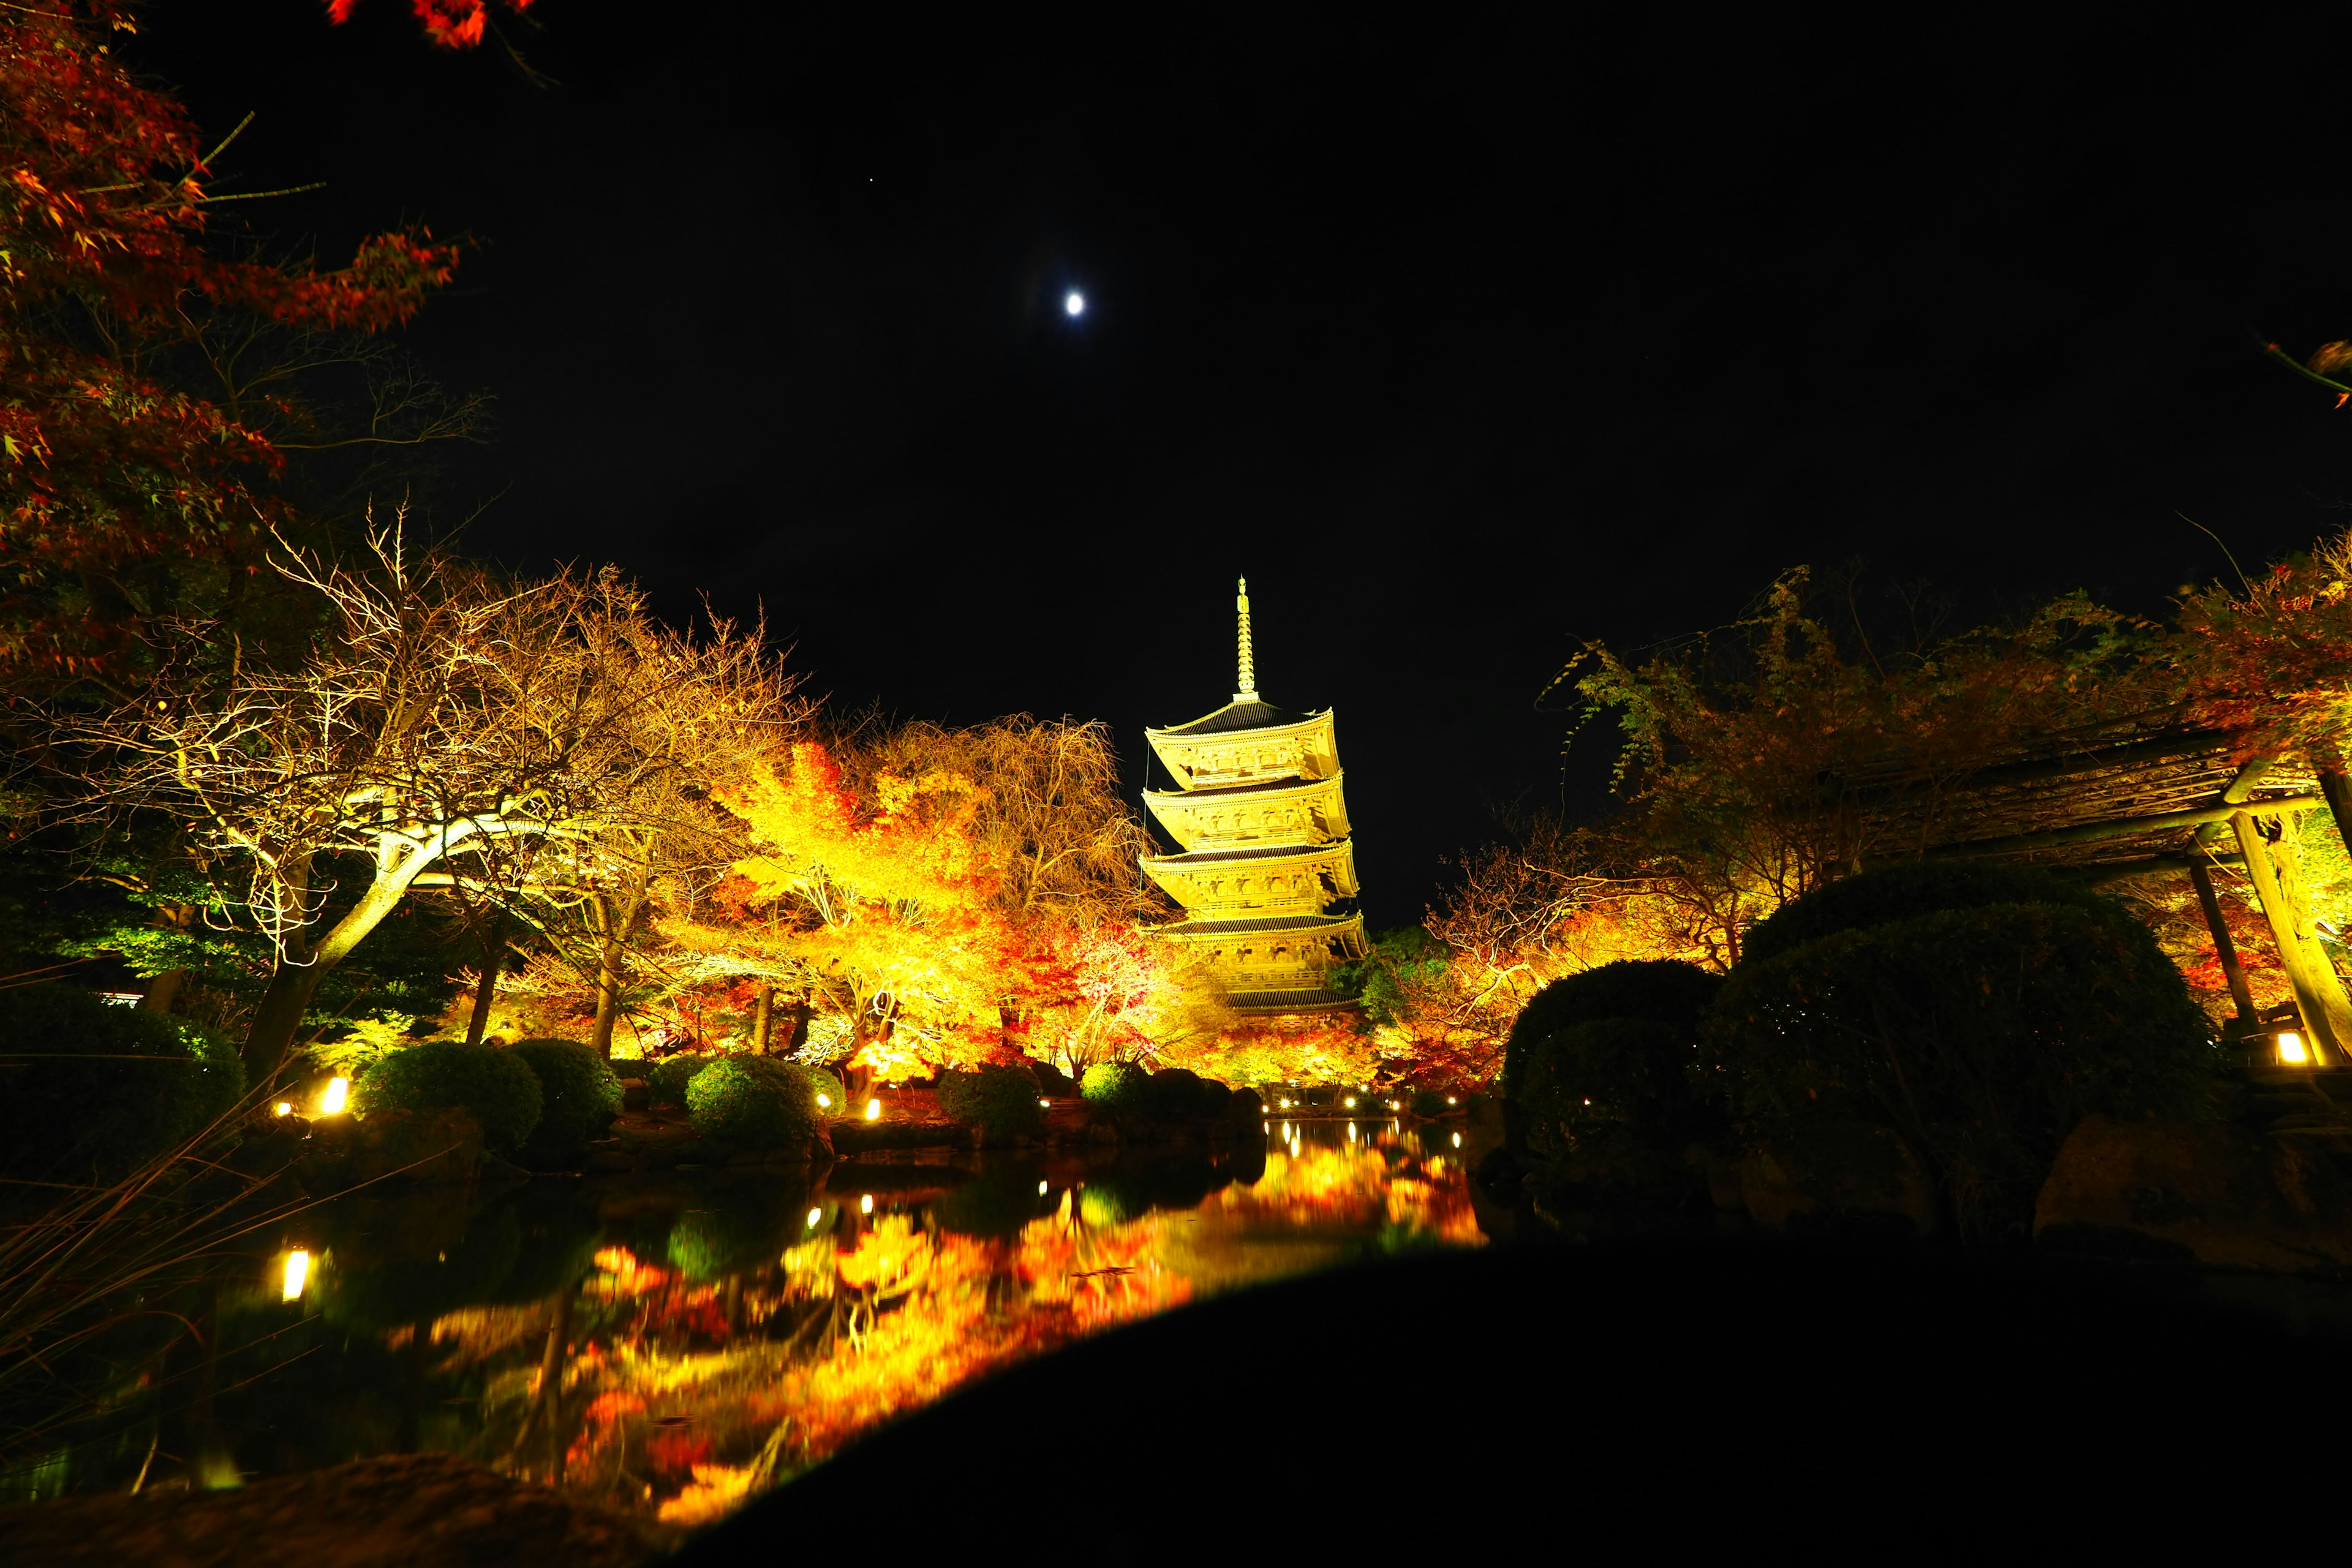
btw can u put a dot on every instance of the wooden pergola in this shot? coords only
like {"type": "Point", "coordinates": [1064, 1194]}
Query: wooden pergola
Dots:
{"type": "Point", "coordinates": [2152, 796]}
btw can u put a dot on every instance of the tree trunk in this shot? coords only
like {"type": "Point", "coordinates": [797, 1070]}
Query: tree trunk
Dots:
{"type": "Point", "coordinates": [160, 991]}
{"type": "Point", "coordinates": [608, 995]}
{"type": "Point", "coordinates": [763, 1012]}
{"type": "Point", "coordinates": [2274, 869]}
{"type": "Point", "coordinates": [486, 990]}
{"type": "Point", "coordinates": [276, 1021]}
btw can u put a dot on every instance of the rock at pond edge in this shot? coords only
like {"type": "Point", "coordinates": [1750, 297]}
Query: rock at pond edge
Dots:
{"type": "Point", "coordinates": [2277, 1202]}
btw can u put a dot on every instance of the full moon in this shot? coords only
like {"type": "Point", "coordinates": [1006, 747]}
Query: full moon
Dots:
{"type": "Point", "coordinates": [1074, 303]}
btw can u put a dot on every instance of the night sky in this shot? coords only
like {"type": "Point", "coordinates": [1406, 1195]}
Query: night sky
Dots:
{"type": "Point", "coordinates": [1466, 342]}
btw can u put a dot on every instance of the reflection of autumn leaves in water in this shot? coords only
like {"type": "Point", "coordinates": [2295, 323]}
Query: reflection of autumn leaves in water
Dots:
{"type": "Point", "coordinates": [688, 1397]}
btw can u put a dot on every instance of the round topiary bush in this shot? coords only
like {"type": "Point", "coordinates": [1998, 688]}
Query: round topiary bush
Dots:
{"type": "Point", "coordinates": [1630, 1073]}
{"type": "Point", "coordinates": [495, 1088]}
{"type": "Point", "coordinates": [1913, 889]}
{"type": "Point", "coordinates": [753, 1102]}
{"type": "Point", "coordinates": [665, 1084]}
{"type": "Point", "coordinates": [579, 1097]}
{"type": "Point", "coordinates": [1662, 991]}
{"type": "Point", "coordinates": [1000, 1099]}
{"type": "Point", "coordinates": [1982, 1035]}
{"type": "Point", "coordinates": [76, 1110]}
{"type": "Point", "coordinates": [1179, 1093]}
{"type": "Point", "coordinates": [1245, 1106]}
{"type": "Point", "coordinates": [1117, 1086]}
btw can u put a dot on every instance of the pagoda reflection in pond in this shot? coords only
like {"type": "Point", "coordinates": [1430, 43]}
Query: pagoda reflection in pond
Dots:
{"type": "Point", "coordinates": [1267, 870]}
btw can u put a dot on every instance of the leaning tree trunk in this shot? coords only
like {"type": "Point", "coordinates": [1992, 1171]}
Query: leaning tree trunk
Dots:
{"type": "Point", "coordinates": [763, 1014]}
{"type": "Point", "coordinates": [2267, 841]}
{"type": "Point", "coordinates": [296, 980]}
{"type": "Point", "coordinates": [608, 994]}
{"type": "Point", "coordinates": [486, 990]}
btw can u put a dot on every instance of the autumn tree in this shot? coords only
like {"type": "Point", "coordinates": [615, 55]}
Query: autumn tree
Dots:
{"type": "Point", "coordinates": [444, 724]}
{"type": "Point", "coordinates": [120, 477]}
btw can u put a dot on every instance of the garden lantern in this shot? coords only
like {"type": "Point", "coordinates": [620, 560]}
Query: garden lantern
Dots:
{"type": "Point", "coordinates": [873, 1111]}
{"type": "Point", "coordinates": [866, 1203]}
{"type": "Point", "coordinates": [2292, 1051]}
{"type": "Point", "coordinates": [339, 1090]}
{"type": "Point", "coordinates": [297, 1274]}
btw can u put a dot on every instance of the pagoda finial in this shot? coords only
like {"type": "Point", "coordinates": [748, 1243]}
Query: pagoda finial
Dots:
{"type": "Point", "coordinates": [1248, 692]}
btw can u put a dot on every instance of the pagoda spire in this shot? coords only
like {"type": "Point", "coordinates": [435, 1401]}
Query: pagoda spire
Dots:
{"type": "Point", "coordinates": [1248, 692]}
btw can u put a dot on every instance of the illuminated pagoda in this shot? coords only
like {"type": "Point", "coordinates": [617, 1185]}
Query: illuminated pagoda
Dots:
{"type": "Point", "coordinates": [1267, 873]}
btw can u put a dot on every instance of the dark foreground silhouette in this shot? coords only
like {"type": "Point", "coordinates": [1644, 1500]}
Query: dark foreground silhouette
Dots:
{"type": "Point", "coordinates": [1597, 1400]}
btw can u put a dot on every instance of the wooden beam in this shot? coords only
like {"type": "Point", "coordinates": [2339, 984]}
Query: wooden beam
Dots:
{"type": "Point", "coordinates": [2148, 866]}
{"type": "Point", "coordinates": [2275, 868]}
{"type": "Point", "coordinates": [2117, 827]}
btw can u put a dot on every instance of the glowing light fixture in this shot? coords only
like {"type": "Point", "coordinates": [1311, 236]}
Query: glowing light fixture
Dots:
{"type": "Point", "coordinates": [815, 1215]}
{"type": "Point", "coordinates": [1074, 304]}
{"type": "Point", "coordinates": [873, 1111]}
{"type": "Point", "coordinates": [1392, 1105]}
{"type": "Point", "coordinates": [866, 1203]}
{"type": "Point", "coordinates": [1045, 1105]}
{"type": "Point", "coordinates": [1451, 1101]}
{"type": "Point", "coordinates": [1351, 1132]}
{"type": "Point", "coordinates": [297, 1274]}
{"type": "Point", "coordinates": [283, 1108]}
{"type": "Point", "coordinates": [1458, 1140]}
{"type": "Point", "coordinates": [339, 1090]}
{"type": "Point", "coordinates": [1041, 1189]}
{"type": "Point", "coordinates": [2292, 1051]}
{"type": "Point", "coordinates": [1351, 1102]}
{"type": "Point", "coordinates": [824, 1102]}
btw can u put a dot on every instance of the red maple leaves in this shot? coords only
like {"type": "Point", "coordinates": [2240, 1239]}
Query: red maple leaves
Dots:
{"type": "Point", "coordinates": [449, 24]}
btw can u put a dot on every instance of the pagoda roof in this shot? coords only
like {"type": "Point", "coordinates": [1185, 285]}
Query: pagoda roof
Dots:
{"type": "Point", "coordinates": [1251, 852]}
{"type": "Point", "coordinates": [1220, 792]}
{"type": "Point", "coordinates": [1235, 716]}
{"type": "Point", "coordinates": [1253, 926]}
{"type": "Point", "coordinates": [1321, 999]}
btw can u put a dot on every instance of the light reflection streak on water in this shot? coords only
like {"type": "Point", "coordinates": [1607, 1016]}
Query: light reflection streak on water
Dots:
{"type": "Point", "coordinates": [706, 1386]}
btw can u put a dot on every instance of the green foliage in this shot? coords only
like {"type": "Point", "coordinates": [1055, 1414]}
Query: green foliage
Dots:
{"type": "Point", "coordinates": [1916, 888]}
{"type": "Point", "coordinates": [88, 1089]}
{"type": "Point", "coordinates": [1428, 1103]}
{"type": "Point", "coordinates": [1399, 965]}
{"type": "Point", "coordinates": [367, 1041]}
{"type": "Point", "coordinates": [749, 1222]}
{"type": "Point", "coordinates": [495, 1088]}
{"type": "Point", "coordinates": [665, 1084]}
{"type": "Point", "coordinates": [1983, 1035]}
{"type": "Point", "coordinates": [1003, 1098]}
{"type": "Point", "coordinates": [1635, 1073]}
{"type": "Point", "coordinates": [1662, 991]}
{"type": "Point", "coordinates": [1117, 1086]}
{"type": "Point", "coordinates": [753, 1102]}
{"type": "Point", "coordinates": [579, 1097]}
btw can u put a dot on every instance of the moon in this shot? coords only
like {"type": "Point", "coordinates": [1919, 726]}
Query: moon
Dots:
{"type": "Point", "coordinates": [1074, 304]}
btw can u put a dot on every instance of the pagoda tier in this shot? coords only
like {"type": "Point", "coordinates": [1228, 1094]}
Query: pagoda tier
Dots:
{"type": "Point", "coordinates": [1277, 963]}
{"type": "Point", "coordinates": [1282, 811]}
{"type": "Point", "coordinates": [1268, 872]}
{"type": "Point", "coordinates": [1265, 879]}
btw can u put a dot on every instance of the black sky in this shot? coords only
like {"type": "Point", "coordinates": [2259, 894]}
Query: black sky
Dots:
{"type": "Point", "coordinates": [1466, 339]}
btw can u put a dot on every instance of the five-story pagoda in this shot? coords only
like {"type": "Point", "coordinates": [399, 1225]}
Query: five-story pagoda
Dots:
{"type": "Point", "coordinates": [1268, 872]}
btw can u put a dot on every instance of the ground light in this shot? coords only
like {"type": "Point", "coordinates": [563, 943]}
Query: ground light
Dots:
{"type": "Point", "coordinates": [815, 1215]}
{"type": "Point", "coordinates": [866, 1203]}
{"type": "Point", "coordinates": [297, 1274]}
{"type": "Point", "coordinates": [283, 1108]}
{"type": "Point", "coordinates": [1041, 1189]}
{"type": "Point", "coordinates": [873, 1111]}
{"type": "Point", "coordinates": [1045, 1105]}
{"type": "Point", "coordinates": [339, 1090]}
{"type": "Point", "coordinates": [1458, 1140]}
{"type": "Point", "coordinates": [824, 1102]}
{"type": "Point", "coordinates": [2292, 1051]}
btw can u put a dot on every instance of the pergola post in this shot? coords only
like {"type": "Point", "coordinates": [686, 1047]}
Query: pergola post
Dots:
{"type": "Point", "coordinates": [2274, 868]}
{"type": "Point", "coordinates": [2223, 948]}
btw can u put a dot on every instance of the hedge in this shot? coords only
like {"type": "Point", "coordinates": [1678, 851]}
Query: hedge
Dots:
{"type": "Point", "coordinates": [1662, 991]}
{"type": "Point", "coordinates": [1913, 889]}
{"type": "Point", "coordinates": [1982, 1035]}
{"type": "Point", "coordinates": [1003, 1098]}
{"type": "Point", "coordinates": [495, 1088]}
{"type": "Point", "coordinates": [753, 1102]}
{"type": "Point", "coordinates": [1118, 1086]}
{"type": "Point", "coordinates": [72, 1108]}
{"type": "Point", "coordinates": [579, 1097]}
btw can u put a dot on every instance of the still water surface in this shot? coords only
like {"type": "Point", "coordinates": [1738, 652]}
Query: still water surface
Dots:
{"type": "Point", "coordinates": [669, 1344]}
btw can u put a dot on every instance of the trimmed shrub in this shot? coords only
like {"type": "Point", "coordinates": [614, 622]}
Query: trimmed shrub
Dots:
{"type": "Point", "coordinates": [665, 1084]}
{"type": "Point", "coordinates": [753, 1102]}
{"type": "Point", "coordinates": [70, 1113]}
{"type": "Point", "coordinates": [1053, 1080]}
{"type": "Point", "coordinates": [1982, 1035]}
{"type": "Point", "coordinates": [1246, 1106]}
{"type": "Point", "coordinates": [1663, 991]}
{"type": "Point", "coordinates": [495, 1088]}
{"type": "Point", "coordinates": [1908, 890]}
{"type": "Point", "coordinates": [1606, 1073]}
{"type": "Point", "coordinates": [579, 1097]}
{"type": "Point", "coordinates": [1001, 1099]}
{"type": "Point", "coordinates": [1429, 1102]}
{"type": "Point", "coordinates": [1180, 1092]}
{"type": "Point", "coordinates": [1117, 1086]}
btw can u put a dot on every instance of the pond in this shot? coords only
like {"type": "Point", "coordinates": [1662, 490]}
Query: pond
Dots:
{"type": "Point", "coordinates": [670, 1343]}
